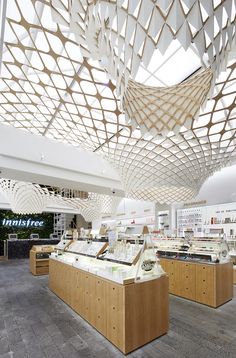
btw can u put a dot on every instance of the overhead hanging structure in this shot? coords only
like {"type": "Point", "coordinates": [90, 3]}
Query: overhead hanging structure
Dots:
{"type": "Point", "coordinates": [24, 198]}
{"type": "Point", "coordinates": [28, 198]}
{"type": "Point", "coordinates": [50, 89]}
{"type": "Point", "coordinates": [123, 34]}
{"type": "Point", "coordinates": [159, 110]}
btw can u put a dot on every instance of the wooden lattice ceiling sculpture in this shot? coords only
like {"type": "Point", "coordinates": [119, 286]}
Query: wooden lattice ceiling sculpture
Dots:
{"type": "Point", "coordinates": [49, 89]}
{"type": "Point", "coordinates": [174, 168]}
{"type": "Point", "coordinates": [158, 110]}
{"type": "Point", "coordinates": [123, 34]}
{"type": "Point", "coordinates": [28, 198]}
{"type": "Point", "coordinates": [24, 198]}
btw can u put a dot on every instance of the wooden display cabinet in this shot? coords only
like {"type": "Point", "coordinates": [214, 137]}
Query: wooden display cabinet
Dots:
{"type": "Point", "coordinates": [39, 259]}
{"type": "Point", "coordinates": [209, 284]}
{"type": "Point", "coordinates": [234, 275]}
{"type": "Point", "coordinates": [128, 315]}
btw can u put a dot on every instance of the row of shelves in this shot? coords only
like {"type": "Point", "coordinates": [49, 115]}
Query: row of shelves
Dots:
{"type": "Point", "coordinates": [205, 218]}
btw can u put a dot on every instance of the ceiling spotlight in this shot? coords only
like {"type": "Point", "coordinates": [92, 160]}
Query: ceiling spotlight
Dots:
{"type": "Point", "coordinates": [42, 156]}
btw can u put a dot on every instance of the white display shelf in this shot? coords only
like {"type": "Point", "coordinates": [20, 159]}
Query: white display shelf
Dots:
{"type": "Point", "coordinates": [127, 254]}
{"type": "Point", "coordinates": [113, 271]}
{"type": "Point", "coordinates": [88, 248]}
{"type": "Point", "coordinates": [200, 219]}
{"type": "Point", "coordinates": [62, 245]}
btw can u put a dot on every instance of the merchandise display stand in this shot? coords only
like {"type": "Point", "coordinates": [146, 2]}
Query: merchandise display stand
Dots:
{"type": "Point", "coordinates": [199, 269]}
{"type": "Point", "coordinates": [209, 284]}
{"type": "Point", "coordinates": [129, 314]}
{"type": "Point", "coordinates": [39, 259]}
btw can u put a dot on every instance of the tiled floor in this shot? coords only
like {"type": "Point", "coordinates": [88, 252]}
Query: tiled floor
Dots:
{"type": "Point", "coordinates": [35, 323]}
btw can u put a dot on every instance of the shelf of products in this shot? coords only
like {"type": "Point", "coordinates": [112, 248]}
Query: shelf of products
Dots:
{"type": "Point", "coordinates": [86, 247]}
{"type": "Point", "coordinates": [201, 220]}
{"type": "Point", "coordinates": [163, 220]}
{"type": "Point", "coordinates": [189, 218]}
{"type": "Point", "coordinates": [123, 252]}
{"type": "Point", "coordinates": [119, 264]}
{"type": "Point", "coordinates": [194, 249]}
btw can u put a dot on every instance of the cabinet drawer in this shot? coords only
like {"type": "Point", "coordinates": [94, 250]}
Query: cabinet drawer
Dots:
{"type": "Point", "coordinates": [42, 263]}
{"type": "Point", "coordinates": [115, 313]}
{"type": "Point", "coordinates": [174, 277]}
{"type": "Point", "coordinates": [205, 284]}
{"type": "Point", "coordinates": [42, 270]}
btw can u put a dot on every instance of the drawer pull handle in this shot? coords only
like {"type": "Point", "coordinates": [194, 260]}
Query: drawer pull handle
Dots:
{"type": "Point", "coordinates": [204, 280]}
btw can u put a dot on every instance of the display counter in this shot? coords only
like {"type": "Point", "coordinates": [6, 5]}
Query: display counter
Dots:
{"type": "Point", "coordinates": [199, 269]}
{"type": "Point", "coordinates": [39, 259]}
{"type": "Point", "coordinates": [232, 253]}
{"type": "Point", "coordinates": [121, 290]}
{"type": "Point", "coordinates": [20, 249]}
{"type": "Point", "coordinates": [128, 315]}
{"type": "Point", "coordinates": [210, 284]}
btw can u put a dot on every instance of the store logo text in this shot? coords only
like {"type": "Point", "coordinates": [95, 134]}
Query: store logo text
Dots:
{"type": "Point", "coordinates": [23, 223]}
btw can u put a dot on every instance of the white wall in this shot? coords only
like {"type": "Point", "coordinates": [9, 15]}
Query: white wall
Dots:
{"type": "Point", "coordinates": [135, 208]}
{"type": "Point", "coordinates": [130, 209]}
{"type": "Point", "coordinates": [37, 159]}
{"type": "Point", "coordinates": [220, 188]}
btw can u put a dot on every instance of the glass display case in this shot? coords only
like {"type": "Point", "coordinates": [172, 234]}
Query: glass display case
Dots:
{"type": "Point", "coordinates": [194, 249]}
{"type": "Point", "coordinates": [62, 244]}
{"type": "Point", "coordinates": [122, 263]}
{"type": "Point", "coordinates": [86, 247]}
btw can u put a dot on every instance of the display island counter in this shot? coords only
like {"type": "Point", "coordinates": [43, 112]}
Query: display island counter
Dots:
{"type": "Point", "coordinates": [20, 249]}
{"type": "Point", "coordinates": [210, 284]}
{"type": "Point", "coordinates": [199, 269]}
{"type": "Point", "coordinates": [129, 313]}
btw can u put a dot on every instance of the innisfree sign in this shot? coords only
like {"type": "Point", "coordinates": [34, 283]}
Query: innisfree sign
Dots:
{"type": "Point", "coordinates": [27, 223]}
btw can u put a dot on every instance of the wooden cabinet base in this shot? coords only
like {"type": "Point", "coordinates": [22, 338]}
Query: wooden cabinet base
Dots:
{"type": "Point", "coordinates": [38, 267]}
{"type": "Point", "coordinates": [209, 284]}
{"type": "Point", "coordinates": [234, 276]}
{"type": "Point", "coordinates": [39, 259]}
{"type": "Point", "coordinates": [129, 315]}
